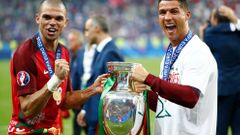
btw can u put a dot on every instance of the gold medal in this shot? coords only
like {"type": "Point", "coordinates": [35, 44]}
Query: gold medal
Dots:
{"type": "Point", "coordinates": [57, 95]}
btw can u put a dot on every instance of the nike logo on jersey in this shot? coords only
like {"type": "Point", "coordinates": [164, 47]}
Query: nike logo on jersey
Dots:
{"type": "Point", "coordinates": [45, 72]}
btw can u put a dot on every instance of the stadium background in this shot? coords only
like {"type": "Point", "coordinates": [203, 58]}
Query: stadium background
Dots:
{"type": "Point", "coordinates": [133, 23]}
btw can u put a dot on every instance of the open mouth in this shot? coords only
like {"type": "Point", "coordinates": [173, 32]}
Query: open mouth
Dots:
{"type": "Point", "coordinates": [51, 30]}
{"type": "Point", "coordinates": [170, 27]}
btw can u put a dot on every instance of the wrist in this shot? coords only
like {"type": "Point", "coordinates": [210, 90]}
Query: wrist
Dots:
{"type": "Point", "coordinates": [83, 112]}
{"type": "Point", "coordinates": [53, 83]}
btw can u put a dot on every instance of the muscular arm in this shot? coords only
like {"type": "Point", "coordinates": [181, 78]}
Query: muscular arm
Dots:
{"type": "Point", "coordinates": [186, 96]}
{"type": "Point", "coordinates": [33, 104]}
{"type": "Point", "coordinates": [76, 98]}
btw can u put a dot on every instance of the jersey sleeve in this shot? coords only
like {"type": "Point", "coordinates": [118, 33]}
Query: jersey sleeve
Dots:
{"type": "Point", "coordinates": [24, 69]}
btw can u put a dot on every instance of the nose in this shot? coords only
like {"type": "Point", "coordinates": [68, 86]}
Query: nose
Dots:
{"type": "Point", "coordinates": [53, 22]}
{"type": "Point", "coordinates": [168, 16]}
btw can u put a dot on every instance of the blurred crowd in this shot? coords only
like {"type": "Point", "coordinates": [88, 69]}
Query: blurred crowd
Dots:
{"type": "Point", "coordinates": [129, 19]}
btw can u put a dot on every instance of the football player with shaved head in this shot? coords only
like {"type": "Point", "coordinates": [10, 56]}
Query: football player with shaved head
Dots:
{"type": "Point", "coordinates": [40, 76]}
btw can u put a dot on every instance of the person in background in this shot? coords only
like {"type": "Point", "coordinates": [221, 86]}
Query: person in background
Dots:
{"type": "Point", "coordinates": [184, 96]}
{"type": "Point", "coordinates": [84, 66]}
{"type": "Point", "coordinates": [97, 32]}
{"type": "Point", "coordinates": [222, 36]}
{"type": "Point", "coordinates": [40, 76]}
{"type": "Point", "coordinates": [75, 43]}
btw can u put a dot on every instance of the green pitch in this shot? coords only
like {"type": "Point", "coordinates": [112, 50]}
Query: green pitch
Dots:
{"type": "Point", "coordinates": [151, 64]}
{"type": "Point", "coordinates": [5, 97]}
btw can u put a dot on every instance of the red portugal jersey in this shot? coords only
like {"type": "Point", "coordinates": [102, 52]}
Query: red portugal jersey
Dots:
{"type": "Point", "coordinates": [28, 75]}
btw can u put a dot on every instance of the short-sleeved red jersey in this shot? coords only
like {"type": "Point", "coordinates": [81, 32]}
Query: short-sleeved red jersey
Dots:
{"type": "Point", "coordinates": [28, 75]}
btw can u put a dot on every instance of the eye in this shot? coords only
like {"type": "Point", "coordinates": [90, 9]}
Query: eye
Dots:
{"type": "Point", "coordinates": [174, 11]}
{"type": "Point", "coordinates": [46, 17]}
{"type": "Point", "coordinates": [162, 12]}
{"type": "Point", "coordinates": [59, 18]}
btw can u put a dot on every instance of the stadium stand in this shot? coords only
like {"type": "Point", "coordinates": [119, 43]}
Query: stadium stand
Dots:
{"type": "Point", "coordinates": [134, 23]}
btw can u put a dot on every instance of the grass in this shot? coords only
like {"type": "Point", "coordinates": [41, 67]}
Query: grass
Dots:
{"type": "Point", "coordinates": [151, 64]}
{"type": "Point", "coordinates": [5, 96]}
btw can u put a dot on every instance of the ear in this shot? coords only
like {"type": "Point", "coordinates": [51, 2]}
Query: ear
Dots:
{"type": "Point", "coordinates": [98, 29]}
{"type": "Point", "coordinates": [37, 17]}
{"type": "Point", "coordinates": [188, 15]}
{"type": "Point", "coordinates": [66, 23]}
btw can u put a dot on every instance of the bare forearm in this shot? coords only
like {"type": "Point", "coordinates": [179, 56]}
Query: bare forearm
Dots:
{"type": "Point", "coordinates": [76, 98]}
{"type": "Point", "coordinates": [33, 104]}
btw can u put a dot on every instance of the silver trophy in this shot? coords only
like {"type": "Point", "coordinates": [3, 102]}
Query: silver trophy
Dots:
{"type": "Point", "coordinates": [123, 109]}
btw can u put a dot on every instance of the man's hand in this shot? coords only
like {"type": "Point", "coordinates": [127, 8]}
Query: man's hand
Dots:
{"type": "Point", "coordinates": [229, 13]}
{"type": "Point", "coordinates": [81, 119]}
{"type": "Point", "coordinates": [99, 83]}
{"type": "Point", "coordinates": [61, 68]}
{"type": "Point", "coordinates": [139, 87]}
{"type": "Point", "coordinates": [139, 74]}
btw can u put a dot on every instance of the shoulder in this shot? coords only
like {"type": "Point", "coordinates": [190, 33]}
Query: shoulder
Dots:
{"type": "Point", "coordinates": [80, 54]}
{"type": "Point", "coordinates": [81, 50]}
{"type": "Point", "coordinates": [111, 47]}
{"type": "Point", "coordinates": [65, 52]}
{"type": "Point", "coordinates": [24, 56]}
{"type": "Point", "coordinates": [196, 44]}
{"type": "Point", "coordinates": [112, 44]}
{"type": "Point", "coordinates": [222, 27]}
{"type": "Point", "coordinates": [198, 51]}
{"type": "Point", "coordinates": [25, 49]}
{"type": "Point", "coordinates": [64, 48]}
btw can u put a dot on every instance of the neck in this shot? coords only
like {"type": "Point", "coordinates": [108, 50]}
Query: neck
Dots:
{"type": "Point", "coordinates": [180, 38]}
{"type": "Point", "coordinates": [74, 52]}
{"type": "Point", "coordinates": [50, 45]}
{"type": "Point", "coordinates": [102, 37]}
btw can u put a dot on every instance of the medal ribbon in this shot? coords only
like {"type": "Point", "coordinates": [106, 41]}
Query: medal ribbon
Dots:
{"type": "Point", "coordinates": [146, 118]}
{"type": "Point", "coordinates": [171, 57]}
{"type": "Point", "coordinates": [42, 49]}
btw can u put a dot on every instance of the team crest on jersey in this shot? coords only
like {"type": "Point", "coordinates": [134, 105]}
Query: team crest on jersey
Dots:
{"type": "Point", "coordinates": [23, 78]}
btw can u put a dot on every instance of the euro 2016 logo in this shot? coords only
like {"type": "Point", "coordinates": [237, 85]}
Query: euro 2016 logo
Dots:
{"type": "Point", "coordinates": [23, 78]}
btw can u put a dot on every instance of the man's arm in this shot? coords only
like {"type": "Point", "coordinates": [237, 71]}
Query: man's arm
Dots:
{"type": "Point", "coordinates": [229, 13]}
{"type": "Point", "coordinates": [78, 97]}
{"type": "Point", "coordinates": [34, 103]}
{"type": "Point", "coordinates": [186, 96]}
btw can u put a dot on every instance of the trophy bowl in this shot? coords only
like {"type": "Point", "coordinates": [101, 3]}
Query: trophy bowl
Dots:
{"type": "Point", "coordinates": [123, 109]}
